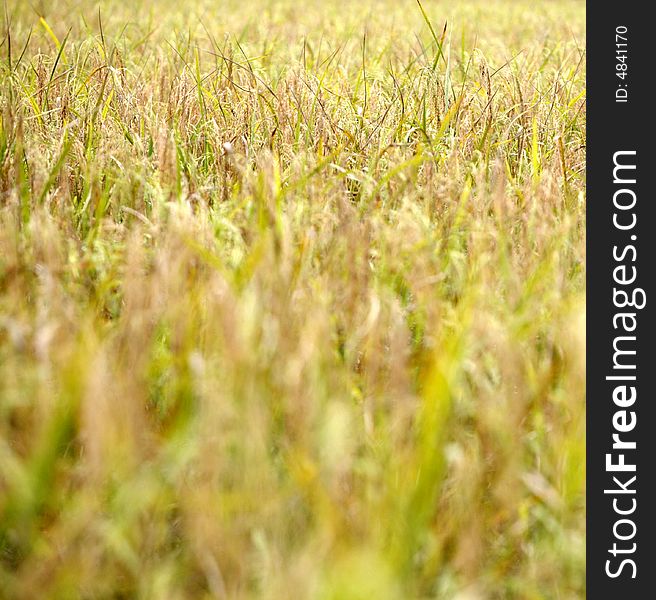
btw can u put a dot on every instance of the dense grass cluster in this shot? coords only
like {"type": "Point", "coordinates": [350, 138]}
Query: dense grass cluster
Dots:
{"type": "Point", "coordinates": [292, 300]}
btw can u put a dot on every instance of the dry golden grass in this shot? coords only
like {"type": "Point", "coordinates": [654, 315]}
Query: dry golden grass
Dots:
{"type": "Point", "coordinates": [291, 300]}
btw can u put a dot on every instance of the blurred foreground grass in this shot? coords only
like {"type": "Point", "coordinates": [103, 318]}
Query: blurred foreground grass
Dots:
{"type": "Point", "coordinates": [291, 300]}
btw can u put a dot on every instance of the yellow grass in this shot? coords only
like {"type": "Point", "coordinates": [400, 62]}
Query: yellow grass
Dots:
{"type": "Point", "coordinates": [292, 300]}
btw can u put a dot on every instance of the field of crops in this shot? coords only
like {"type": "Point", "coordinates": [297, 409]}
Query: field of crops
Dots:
{"type": "Point", "coordinates": [292, 300]}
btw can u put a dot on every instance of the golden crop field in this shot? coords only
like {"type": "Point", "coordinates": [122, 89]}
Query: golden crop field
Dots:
{"type": "Point", "coordinates": [292, 300]}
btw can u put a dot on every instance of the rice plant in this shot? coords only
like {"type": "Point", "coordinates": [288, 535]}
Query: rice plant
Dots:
{"type": "Point", "coordinates": [292, 300]}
